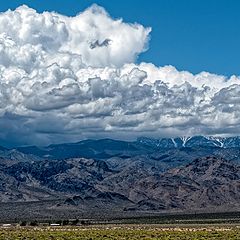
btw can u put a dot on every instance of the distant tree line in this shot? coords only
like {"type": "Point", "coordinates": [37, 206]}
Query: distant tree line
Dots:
{"type": "Point", "coordinates": [64, 222]}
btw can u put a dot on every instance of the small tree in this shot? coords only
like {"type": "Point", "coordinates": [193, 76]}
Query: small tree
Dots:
{"type": "Point", "coordinates": [33, 223]}
{"type": "Point", "coordinates": [75, 222]}
{"type": "Point", "coordinates": [65, 222]}
{"type": "Point", "coordinates": [23, 223]}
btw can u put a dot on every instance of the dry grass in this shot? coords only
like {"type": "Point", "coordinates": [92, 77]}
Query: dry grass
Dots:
{"type": "Point", "coordinates": [132, 232]}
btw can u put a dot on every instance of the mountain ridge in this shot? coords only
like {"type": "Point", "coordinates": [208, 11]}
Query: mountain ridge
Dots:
{"type": "Point", "coordinates": [146, 175]}
{"type": "Point", "coordinates": [107, 148]}
{"type": "Point", "coordinates": [207, 182]}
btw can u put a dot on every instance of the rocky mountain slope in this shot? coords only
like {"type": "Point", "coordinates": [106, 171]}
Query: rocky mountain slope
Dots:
{"type": "Point", "coordinates": [204, 183]}
{"type": "Point", "coordinates": [139, 185]}
{"type": "Point", "coordinates": [197, 173]}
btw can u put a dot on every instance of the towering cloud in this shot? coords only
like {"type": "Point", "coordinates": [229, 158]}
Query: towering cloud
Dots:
{"type": "Point", "coordinates": [93, 35]}
{"type": "Point", "coordinates": [67, 78]}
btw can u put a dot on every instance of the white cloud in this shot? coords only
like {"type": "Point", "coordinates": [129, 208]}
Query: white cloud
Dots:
{"type": "Point", "coordinates": [55, 33]}
{"type": "Point", "coordinates": [63, 79]}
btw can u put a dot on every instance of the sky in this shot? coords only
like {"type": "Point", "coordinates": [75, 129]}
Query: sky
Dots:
{"type": "Point", "coordinates": [71, 70]}
{"type": "Point", "coordinates": [190, 35]}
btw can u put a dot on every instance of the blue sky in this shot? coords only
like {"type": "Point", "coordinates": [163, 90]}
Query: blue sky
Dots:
{"type": "Point", "coordinates": [191, 35]}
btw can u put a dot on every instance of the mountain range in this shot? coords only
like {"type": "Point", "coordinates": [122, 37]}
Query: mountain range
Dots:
{"type": "Point", "coordinates": [147, 175]}
{"type": "Point", "coordinates": [106, 148]}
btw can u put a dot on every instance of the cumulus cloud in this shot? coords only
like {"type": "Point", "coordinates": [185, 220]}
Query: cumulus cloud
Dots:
{"type": "Point", "coordinates": [68, 78]}
{"type": "Point", "coordinates": [93, 34]}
